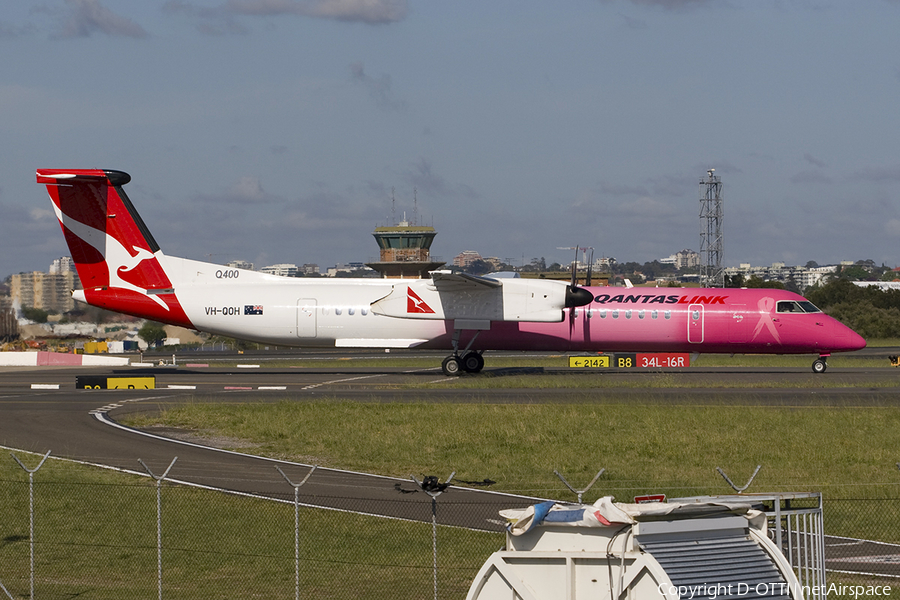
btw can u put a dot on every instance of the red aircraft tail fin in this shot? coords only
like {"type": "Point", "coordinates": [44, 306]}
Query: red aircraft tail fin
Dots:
{"type": "Point", "coordinates": [115, 255]}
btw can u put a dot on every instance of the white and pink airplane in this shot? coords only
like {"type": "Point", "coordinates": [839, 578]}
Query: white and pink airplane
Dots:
{"type": "Point", "coordinates": [122, 268]}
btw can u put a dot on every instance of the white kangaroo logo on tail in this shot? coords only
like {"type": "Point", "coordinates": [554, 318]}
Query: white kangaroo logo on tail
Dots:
{"type": "Point", "coordinates": [116, 256]}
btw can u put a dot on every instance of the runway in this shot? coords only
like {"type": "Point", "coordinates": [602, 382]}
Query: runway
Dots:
{"type": "Point", "coordinates": [81, 424]}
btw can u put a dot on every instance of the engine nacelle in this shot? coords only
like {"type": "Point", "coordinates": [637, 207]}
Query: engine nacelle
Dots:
{"type": "Point", "coordinates": [531, 300]}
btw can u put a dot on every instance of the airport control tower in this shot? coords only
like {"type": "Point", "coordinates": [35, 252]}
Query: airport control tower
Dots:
{"type": "Point", "coordinates": [405, 251]}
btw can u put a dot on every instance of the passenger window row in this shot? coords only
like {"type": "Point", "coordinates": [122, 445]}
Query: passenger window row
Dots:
{"type": "Point", "coordinates": [654, 314]}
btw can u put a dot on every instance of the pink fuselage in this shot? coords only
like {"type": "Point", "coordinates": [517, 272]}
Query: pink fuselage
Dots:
{"type": "Point", "coordinates": [675, 320]}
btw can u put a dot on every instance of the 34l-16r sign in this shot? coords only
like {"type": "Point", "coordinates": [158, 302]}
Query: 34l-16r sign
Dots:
{"type": "Point", "coordinates": [656, 360]}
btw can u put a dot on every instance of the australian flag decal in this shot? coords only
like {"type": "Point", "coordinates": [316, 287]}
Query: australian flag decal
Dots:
{"type": "Point", "coordinates": [253, 309]}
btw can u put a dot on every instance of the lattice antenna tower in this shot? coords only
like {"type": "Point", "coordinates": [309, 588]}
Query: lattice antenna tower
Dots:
{"type": "Point", "coordinates": [711, 221]}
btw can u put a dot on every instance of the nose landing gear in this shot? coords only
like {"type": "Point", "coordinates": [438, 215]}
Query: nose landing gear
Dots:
{"type": "Point", "coordinates": [819, 365]}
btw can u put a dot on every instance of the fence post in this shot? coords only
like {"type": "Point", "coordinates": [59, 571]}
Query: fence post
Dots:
{"type": "Point", "coordinates": [433, 488]}
{"type": "Point", "coordinates": [579, 493]}
{"type": "Point", "coordinates": [31, 473]}
{"type": "Point", "coordinates": [158, 521]}
{"type": "Point", "coordinates": [736, 488]}
{"type": "Point", "coordinates": [296, 487]}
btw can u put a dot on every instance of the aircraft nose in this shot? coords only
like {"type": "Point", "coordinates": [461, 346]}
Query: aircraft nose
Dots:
{"type": "Point", "coordinates": [847, 340]}
{"type": "Point", "coordinates": [856, 341]}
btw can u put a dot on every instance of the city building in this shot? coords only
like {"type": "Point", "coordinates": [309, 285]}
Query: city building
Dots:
{"type": "Point", "coordinates": [9, 325]}
{"type": "Point", "coordinates": [686, 259]}
{"type": "Point", "coordinates": [63, 264]}
{"type": "Point", "coordinates": [355, 268]}
{"type": "Point", "coordinates": [466, 258]}
{"type": "Point", "coordinates": [802, 277]}
{"type": "Point", "coordinates": [51, 292]}
{"type": "Point", "coordinates": [881, 285]}
{"type": "Point", "coordinates": [240, 264]}
{"type": "Point", "coordinates": [284, 269]}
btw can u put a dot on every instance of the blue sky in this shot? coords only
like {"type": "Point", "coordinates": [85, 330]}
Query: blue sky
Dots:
{"type": "Point", "coordinates": [273, 130]}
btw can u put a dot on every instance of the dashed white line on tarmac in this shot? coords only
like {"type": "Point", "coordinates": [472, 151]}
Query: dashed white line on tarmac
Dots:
{"type": "Point", "coordinates": [315, 385]}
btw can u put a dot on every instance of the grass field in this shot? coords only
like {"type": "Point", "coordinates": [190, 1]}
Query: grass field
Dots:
{"type": "Point", "coordinates": [95, 537]}
{"type": "Point", "coordinates": [644, 448]}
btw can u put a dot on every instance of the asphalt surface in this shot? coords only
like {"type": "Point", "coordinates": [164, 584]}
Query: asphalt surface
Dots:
{"type": "Point", "coordinates": [81, 425]}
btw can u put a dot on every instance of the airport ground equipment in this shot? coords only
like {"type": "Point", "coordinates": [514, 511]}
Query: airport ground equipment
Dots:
{"type": "Point", "coordinates": [702, 550]}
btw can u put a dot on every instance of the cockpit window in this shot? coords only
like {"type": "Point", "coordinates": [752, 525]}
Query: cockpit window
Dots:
{"type": "Point", "coordinates": [789, 306]}
{"type": "Point", "coordinates": [809, 307]}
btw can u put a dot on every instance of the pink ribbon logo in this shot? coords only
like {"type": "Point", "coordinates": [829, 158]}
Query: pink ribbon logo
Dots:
{"type": "Point", "coordinates": [766, 305]}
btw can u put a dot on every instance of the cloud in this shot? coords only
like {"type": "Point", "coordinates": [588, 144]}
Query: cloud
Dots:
{"type": "Point", "coordinates": [877, 174]}
{"type": "Point", "coordinates": [87, 17]}
{"type": "Point", "coordinates": [221, 19]}
{"type": "Point", "coordinates": [9, 31]}
{"type": "Point", "coordinates": [632, 23]}
{"type": "Point", "coordinates": [422, 176]}
{"type": "Point", "coordinates": [811, 177]}
{"type": "Point", "coordinates": [814, 161]}
{"type": "Point", "coordinates": [892, 227]}
{"type": "Point", "coordinates": [642, 207]}
{"type": "Point", "coordinates": [373, 12]}
{"type": "Point", "coordinates": [379, 89]}
{"type": "Point", "coordinates": [246, 190]}
{"type": "Point", "coordinates": [29, 235]}
{"type": "Point", "coordinates": [674, 185]}
{"type": "Point", "coordinates": [609, 189]}
{"type": "Point", "coordinates": [669, 4]}
{"type": "Point", "coordinates": [212, 21]}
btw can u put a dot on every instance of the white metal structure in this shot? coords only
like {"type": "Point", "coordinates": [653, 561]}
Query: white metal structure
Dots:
{"type": "Point", "coordinates": [795, 525]}
{"type": "Point", "coordinates": [629, 551]}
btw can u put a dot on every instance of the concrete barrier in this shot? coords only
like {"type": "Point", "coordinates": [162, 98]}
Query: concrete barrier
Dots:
{"type": "Point", "coordinates": [58, 359]}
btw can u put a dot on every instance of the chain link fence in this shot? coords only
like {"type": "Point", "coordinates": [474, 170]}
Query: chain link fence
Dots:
{"type": "Point", "coordinates": [68, 531]}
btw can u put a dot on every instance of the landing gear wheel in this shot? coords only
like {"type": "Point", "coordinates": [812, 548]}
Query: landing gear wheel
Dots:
{"type": "Point", "coordinates": [819, 365]}
{"type": "Point", "coordinates": [472, 362]}
{"type": "Point", "coordinates": [451, 366]}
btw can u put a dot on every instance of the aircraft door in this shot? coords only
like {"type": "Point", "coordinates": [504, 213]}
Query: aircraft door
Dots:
{"type": "Point", "coordinates": [695, 324]}
{"type": "Point", "coordinates": [740, 324]}
{"type": "Point", "coordinates": [306, 318]}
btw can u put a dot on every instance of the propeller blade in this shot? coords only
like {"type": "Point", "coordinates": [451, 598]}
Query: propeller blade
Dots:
{"type": "Point", "coordinates": [590, 269]}
{"type": "Point", "coordinates": [574, 267]}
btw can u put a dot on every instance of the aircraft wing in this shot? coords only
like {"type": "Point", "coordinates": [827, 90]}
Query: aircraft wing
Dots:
{"type": "Point", "coordinates": [445, 281]}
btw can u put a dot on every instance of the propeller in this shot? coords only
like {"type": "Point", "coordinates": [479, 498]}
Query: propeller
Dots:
{"type": "Point", "coordinates": [578, 296]}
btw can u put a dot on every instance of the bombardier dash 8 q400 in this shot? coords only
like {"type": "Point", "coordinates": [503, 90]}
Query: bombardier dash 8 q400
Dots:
{"type": "Point", "coordinates": [122, 268]}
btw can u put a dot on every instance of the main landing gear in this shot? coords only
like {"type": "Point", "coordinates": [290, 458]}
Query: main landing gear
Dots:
{"type": "Point", "coordinates": [470, 362]}
{"type": "Point", "coordinates": [819, 365]}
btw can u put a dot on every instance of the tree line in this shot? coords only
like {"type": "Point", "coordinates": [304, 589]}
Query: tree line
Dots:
{"type": "Point", "coordinates": [870, 311]}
